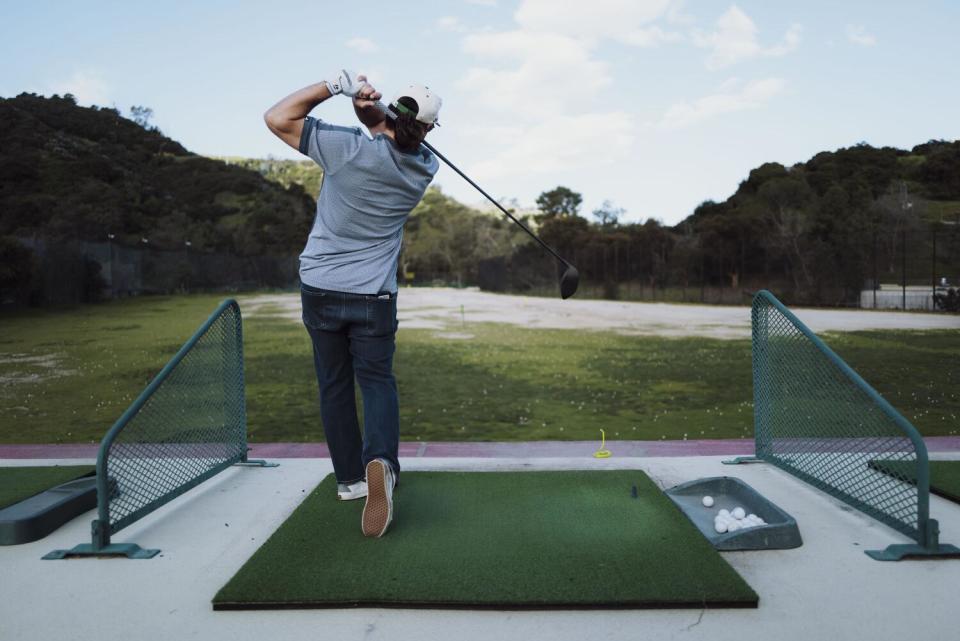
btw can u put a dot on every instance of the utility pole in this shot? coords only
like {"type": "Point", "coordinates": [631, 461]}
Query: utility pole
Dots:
{"type": "Point", "coordinates": [933, 266]}
{"type": "Point", "coordinates": [903, 268]}
{"type": "Point", "coordinates": [905, 205]}
{"type": "Point", "coordinates": [875, 276]}
{"type": "Point", "coordinates": [113, 282]}
{"type": "Point", "coordinates": [186, 257]}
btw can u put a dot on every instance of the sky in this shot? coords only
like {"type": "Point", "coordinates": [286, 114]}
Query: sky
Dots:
{"type": "Point", "coordinates": [652, 105]}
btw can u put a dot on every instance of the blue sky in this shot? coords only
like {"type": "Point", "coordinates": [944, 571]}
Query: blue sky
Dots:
{"type": "Point", "coordinates": [655, 105]}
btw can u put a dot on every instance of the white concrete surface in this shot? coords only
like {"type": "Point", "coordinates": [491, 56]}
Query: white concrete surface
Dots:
{"type": "Point", "coordinates": [826, 589]}
{"type": "Point", "coordinates": [440, 309]}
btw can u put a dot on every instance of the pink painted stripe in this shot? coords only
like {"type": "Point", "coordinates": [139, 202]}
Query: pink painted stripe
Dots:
{"type": "Point", "coordinates": [534, 449]}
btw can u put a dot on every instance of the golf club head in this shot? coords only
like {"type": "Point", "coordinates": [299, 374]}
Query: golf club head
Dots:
{"type": "Point", "coordinates": [569, 282]}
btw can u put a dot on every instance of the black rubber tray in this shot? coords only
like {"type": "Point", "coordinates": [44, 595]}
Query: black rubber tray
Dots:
{"type": "Point", "coordinates": [780, 532]}
{"type": "Point", "coordinates": [42, 513]}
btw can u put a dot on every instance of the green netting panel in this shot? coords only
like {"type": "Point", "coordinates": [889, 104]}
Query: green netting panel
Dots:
{"type": "Point", "coordinates": [189, 424]}
{"type": "Point", "coordinates": [816, 418]}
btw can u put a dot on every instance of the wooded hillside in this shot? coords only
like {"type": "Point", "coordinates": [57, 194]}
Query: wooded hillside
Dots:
{"type": "Point", "coordinates": [78, 172]}
{"type": "Point", "coordinates": [817, 232]}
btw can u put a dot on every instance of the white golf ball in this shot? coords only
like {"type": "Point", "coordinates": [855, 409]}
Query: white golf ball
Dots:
{"type": "Point", "coordinates": [753, 517]}
{"type": "Point", "coordinates": [720, 526]}
{"type": "Point", "coordinates": [723, 513]}
{"type": "Point", "coordinates": [708, 501]}
{"type": "Point", "coordinates": [734, 526]}
{"type": "Point", "coordinates": [738, 513]}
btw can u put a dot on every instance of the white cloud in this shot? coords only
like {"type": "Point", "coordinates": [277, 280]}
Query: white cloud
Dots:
{"type": "Point", "coordinates": [363, 45]}
{"type": "Point", "coordinates": [532, 72]}
{"type": "Point", "coordinates": [753, 95]}
{"type": "Point", "coordinates": [560, 144]}
{"type": "Point", "coordinates": [735, 40]}
{"type": "Point", "coordinates": [650, 37]}
{"type": "Point", "coordinates": [87, 86]}
{"type": "Point", "coordinates": [543, 85]}
{"type": "Point", "coordinates": [622, 20]}
{"type": "Point", "coordinates": [450, 23]}
{"type": "Point", "coordinates": [676, 14]}
{"type": "Point", "coordinates": [857, 34]}
{"type": "Point", "coordinates": [522, 70]}
{"type": "Point", "coordinates": [791, 40]}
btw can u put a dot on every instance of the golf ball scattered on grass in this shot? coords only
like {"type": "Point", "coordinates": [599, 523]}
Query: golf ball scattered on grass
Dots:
{"type": "Point", "coordinates": [708, 501]}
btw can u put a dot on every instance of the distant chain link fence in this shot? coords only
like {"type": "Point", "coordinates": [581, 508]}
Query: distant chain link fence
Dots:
{"type": "Point", "coordinates": [915, 268]}
{"type": "Point", "coordinates": [75, 271]}
{"type": "Point", "coordinates": [910, 269]}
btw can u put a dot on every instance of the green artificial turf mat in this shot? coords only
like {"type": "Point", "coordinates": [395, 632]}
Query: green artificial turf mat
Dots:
{"type": "Point", "coordinates": [944, 475]}
{"type": "Point", "coordinates": [19, 483]}
{"type": "Point", "coordinates": [492, 540]}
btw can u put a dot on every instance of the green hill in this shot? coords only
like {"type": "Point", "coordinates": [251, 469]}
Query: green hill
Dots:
{"type": "Point", "coordinates": [825, 227]}
{"type": "Point", "coordinates": [305, 173]}
{"type": "Point", "coordinates": [77, 172]}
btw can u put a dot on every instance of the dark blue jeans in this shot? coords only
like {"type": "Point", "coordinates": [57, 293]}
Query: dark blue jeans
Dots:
{"type": "Point", "coordinates": [353, 337]}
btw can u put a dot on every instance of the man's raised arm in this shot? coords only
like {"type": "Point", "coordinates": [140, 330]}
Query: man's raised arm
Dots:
{"type": "Point", "coordinates": [285, 119]}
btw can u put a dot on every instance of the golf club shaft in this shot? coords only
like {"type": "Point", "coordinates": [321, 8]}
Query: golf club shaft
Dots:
{"type": "Point", "coordinates": [506, 213]}
{"type": "Point", "coordinates": [490, 198]}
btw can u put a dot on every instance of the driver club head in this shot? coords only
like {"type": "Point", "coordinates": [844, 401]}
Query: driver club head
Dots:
{"type": "Point", "coordinates": [569, 282]}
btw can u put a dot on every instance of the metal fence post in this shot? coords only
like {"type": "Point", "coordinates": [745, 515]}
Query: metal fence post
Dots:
{"type": "Point", "coordinates": [903, 269]}
{"type": "Point", "coordinates": [933, 268]}
{"type": "Point", "coordinates": [876, 276]}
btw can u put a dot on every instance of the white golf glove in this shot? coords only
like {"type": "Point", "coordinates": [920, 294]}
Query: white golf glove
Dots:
{"type": "Point", "coordinates": [345, 82]}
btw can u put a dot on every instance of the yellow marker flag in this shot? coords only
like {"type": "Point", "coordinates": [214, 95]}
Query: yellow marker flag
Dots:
{"type": "Point", "coordinates": [603, 452]}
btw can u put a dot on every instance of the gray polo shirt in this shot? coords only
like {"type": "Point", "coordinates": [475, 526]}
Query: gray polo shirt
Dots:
{"type": "Point", "coordinates": [369, 188]}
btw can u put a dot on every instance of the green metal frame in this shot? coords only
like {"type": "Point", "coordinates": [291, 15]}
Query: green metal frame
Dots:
{"type": "Point", "coordinates": [102, 528]}
{"type": "Point", "coordinates": [925, 530]}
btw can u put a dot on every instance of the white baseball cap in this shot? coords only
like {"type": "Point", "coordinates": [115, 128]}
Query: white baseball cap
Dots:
{"type": "Point", "coordinates": [427, 103]}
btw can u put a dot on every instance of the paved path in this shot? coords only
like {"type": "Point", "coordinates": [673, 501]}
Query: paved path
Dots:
{"type": "Point", "coordinates": [440, 308]}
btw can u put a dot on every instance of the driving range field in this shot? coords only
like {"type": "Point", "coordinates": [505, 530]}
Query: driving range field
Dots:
{"type": "Point", "coordinates": [507, 525]}
{"type": "Point", "coordinates": [470, 366]}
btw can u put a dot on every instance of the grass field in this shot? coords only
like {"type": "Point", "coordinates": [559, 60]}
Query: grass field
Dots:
{"type": "Point", "coordinates": [67, 375]}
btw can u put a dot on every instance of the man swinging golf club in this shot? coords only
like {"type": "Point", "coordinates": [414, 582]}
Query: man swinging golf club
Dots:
{"type": "Point", "coordinates": [348, 270]}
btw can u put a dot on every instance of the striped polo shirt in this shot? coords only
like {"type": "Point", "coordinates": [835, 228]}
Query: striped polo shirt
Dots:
{"type": "Point", "coordinates": [369, 188]}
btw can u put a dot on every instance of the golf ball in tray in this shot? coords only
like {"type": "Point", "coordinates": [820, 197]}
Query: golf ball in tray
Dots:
{"type": "Point", "coordinates": [738, 519]}
{"type": "Point", "coordinates": [708, 501]}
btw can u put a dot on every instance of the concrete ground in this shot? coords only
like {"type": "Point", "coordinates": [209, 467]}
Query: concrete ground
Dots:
{"type": "Point", "coordinates": [826, 589]}
{"type": "Point", "coordinates": [450, 309]}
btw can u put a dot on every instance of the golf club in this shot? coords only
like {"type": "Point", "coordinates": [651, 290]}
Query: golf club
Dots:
{"type": "Point", "coordinates": [570, 278]}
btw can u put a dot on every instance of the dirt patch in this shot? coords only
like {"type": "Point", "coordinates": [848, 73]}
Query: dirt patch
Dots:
{"type": "Point", "coordinates": [28, 369]}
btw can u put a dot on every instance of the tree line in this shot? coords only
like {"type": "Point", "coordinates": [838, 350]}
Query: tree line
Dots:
{"type": "Point", "coordinates": [816, 232]}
